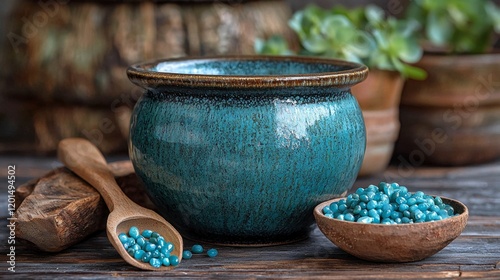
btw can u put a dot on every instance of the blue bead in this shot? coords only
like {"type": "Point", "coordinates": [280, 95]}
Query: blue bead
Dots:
{"type": "Point", "coordinates": [395, 215]}
{"type": "Point", "coordinates": [438, 200]}
{"type": "Point", "coordinates": [356, 209]}
{"type": "Point", "coordinates": [146, 257]}
{"type": "Point", "coordinates": [432, 216]}
{"type": "Point", "coordinates": [418, 194]}
{"type": "Point", "coordinates": [155, 262]}
{"type": "Point", "coordinates": [405, 220]}
{"type": "Point", "coordinates": [329, 215]}
{"type": "Point", "coordinates": [410, 201]}
{"type": "Point", "coordinates": [342, 208]}
{"type": "Point", "coordinates": [381, 204]}
{"type": "Point", "coordinates": [371, 204]}
{"type": "Point", "coordinates": [164, 250]}
{"type": "Point", "coordinates": [360, 191]}
{"type": "Point", "coordinates": [386, 214]}
{"type": "Point", "coordinates": [387, 207]}
{"type": "Point", "coordinates": [400, 200]}
{"type": "Point", "coordinates": [362, 205]}
{"type": "Point", "coordinates": [212, 253]}
{"type": "Point", "coordinates": [327, 210]}
{"type": "Point", "coordinates": [406, 214]}
{"type": "Point", "coordinates": [131, 241]}
{"type": "Point", "coordinates": [386, 221]}
{"type": "Point", "coordinates": [147, 233]}
{"type": "Point", "coordinates": [165, 261]}
{"type": "Point", "coordinates": [136, 247]}
{"type": "Point", "coordinates": [443, 213]}
{"type": "Point", "coordinates": [363, 213]}
{"type": "Point", "coordinates": [450, 210]}
{"type": "Point", "coordinates": [371, 188]}
{"type": "Point", "coordinates": [423, 206]}
{"type": "Point", "coordinates": [434, 208]}
{"type": "Point", "coordinates": [413, 208]}
{"type": "Point", "coordinates": [123, 237]}
{"type": "Point", "coordinates": [197, 249]}
{"type": "Point", "coordinates": [388, 190]}
{"type": "Point", "coordinates": [161, 242]}
{"type": "Point", "coordinates": [340, 217]}
{"type": "Point", "coordinates": [141, 241]}
{"type": "Point", "coordinates": [174, 260]}
{"type": "Point", "coordinates": [348, 200]}
{"type": "Point", "coordinates": [155, 254]}
{"type": "Point", "coordinates": [133, 232]}
{"type": "Point", "coordinates": [334, 207]}
{"type": "Point", "coordinates": [126, 245]}
{"type": "Point", "coordinates": [395, 185]}
{"type": "Point", "coordinates": [170, 246]}
{"type": "Point", "coordinates": [131, 251]}
{"type": "Point", "coordinates": [186, 254]}
{"type": "Point", "coordinates": [398, 220]}
{"type": "Point", "coordinates": [419, 215]}
{"type": "Point", "coordinates": [373, 213]}
{"type": "Point", "coordinates": [371, 195]}
{"type": "Point", "coordinates": [153, 240]}
{"type": "Point", "coordinates": [349, 217]}
{"type": "Point", "coordinates": [138, 254]}
{"type": "Point", "coordinates": [403, 207]}
{"type": "Point", "coordinates": [150, 247]}
{"type": "Point", "coordinates": [366, 220]}
{"type": "Point", "coordinates": [394, 195]}
{"type": "Point", "coordinates": [155, 234]}
{"type": "Point", "coordinates": [364, 198]}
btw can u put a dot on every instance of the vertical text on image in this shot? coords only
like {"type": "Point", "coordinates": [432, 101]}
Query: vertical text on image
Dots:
{"type": "Point", "coordinates": [11, 220]}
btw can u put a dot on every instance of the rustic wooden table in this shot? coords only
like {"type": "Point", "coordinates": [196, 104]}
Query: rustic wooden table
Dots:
{"type": "Point", "coordinates": [475, 254]}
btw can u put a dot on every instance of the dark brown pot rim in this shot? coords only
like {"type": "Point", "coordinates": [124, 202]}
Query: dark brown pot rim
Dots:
{"type": "Point", "coordinates": [343, 74]}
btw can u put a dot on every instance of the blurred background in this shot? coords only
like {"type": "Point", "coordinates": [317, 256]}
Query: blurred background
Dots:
{"type": "Point", "coordinates": [64, 64]}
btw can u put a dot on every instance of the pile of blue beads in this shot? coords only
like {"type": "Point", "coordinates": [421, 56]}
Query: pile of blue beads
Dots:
{"type": "Point", "coordinates": [388, 204]}
{"type": "Point", "coordinates": [149, 247]}
{"type": "Point", "coordinates": [198, 249]}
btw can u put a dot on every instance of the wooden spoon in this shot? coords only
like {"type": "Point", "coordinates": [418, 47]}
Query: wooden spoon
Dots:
{"type": "Point", "coordinates": [84, 159]}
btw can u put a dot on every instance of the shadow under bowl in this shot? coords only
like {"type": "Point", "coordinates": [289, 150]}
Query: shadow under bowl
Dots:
{"type": "Point", "coordinates": [393, 243]}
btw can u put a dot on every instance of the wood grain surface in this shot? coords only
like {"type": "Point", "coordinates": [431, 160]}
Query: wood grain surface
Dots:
{"type": "Point", "coordinates": [473, 255]}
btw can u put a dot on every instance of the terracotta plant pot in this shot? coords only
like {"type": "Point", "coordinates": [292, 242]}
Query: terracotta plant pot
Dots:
{"type": "Point", "coordinates": [379, 97]}
{"type": "Point", "coordinates": [453, 117]}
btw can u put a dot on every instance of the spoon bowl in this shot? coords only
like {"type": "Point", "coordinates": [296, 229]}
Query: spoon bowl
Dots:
{"type": "Point", "coordinates": [84, 159]}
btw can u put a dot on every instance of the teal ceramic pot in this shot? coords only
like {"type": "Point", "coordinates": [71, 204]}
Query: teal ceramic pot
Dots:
{"type": "Point", "coordinates": [239, 150]}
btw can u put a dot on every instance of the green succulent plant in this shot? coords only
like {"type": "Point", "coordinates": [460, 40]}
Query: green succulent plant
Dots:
{"type": "Point", "coordinates": [275, 45]}
{"type": "Point", "coordinates": [458, 26]}
{"type": "Point", "coordinates": [364, 35]}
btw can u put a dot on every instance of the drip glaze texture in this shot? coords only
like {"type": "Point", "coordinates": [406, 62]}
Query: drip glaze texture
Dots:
{"type": "Point", "coordinates": [241, 155]}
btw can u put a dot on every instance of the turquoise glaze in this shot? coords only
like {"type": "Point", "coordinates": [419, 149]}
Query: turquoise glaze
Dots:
{"type": "Point", "coordinates": [239, 150]}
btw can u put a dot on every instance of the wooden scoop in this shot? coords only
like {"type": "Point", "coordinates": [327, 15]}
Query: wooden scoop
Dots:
{"type": "Point", "coordinates": [84, 159]}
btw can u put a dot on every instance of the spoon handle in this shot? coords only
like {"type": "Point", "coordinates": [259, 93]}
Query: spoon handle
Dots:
{"type": "Point", "coordinates": [83, 158]}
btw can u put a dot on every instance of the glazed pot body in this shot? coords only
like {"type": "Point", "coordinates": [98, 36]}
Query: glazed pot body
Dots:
{"type": "Point", "coordinates": [245, 163]}
{"type": "Point", "coordinates": [451, 118]}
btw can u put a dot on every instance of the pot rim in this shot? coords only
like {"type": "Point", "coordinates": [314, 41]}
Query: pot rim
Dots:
{"type": "Point", "coordinates": [142, 75]}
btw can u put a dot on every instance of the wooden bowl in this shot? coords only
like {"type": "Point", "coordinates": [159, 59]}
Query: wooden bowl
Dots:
{"type": "Point", "coordinates": [393, 243]}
